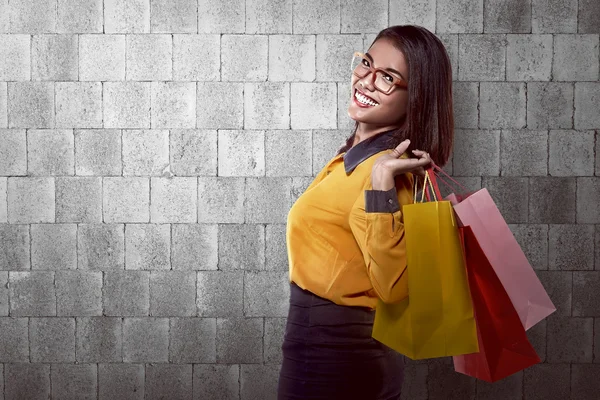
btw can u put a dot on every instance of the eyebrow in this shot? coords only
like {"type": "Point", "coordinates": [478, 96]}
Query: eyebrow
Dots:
{"type": "Point", "coordinates": [387, 69]}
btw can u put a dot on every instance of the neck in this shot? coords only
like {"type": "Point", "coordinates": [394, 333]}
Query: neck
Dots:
{"type": "Point", "coordinates": [365, 131]}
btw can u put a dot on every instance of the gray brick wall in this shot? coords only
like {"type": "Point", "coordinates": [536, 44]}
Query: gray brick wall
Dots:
{"type": "Point", "coordinates": [151, 149]}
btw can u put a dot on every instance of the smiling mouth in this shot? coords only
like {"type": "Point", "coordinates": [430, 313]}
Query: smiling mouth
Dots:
{"type": "Point", "coordinates": [364, 100]}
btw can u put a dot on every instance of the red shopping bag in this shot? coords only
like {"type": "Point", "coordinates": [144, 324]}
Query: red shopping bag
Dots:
{"type": "Point", "coordinates": [504, 348]}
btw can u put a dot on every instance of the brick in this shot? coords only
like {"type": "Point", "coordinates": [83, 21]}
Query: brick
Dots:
{"type": "Point", "coordinates": [126, 104]}
{"type": "Point", "coordinates": [585, 284]}
{"type": "Point", "coordinates": [154, 347]}
{"type": "Point", "coordinates": [587, 103]}
{"type": "Point", "coordinates": [126, 293]}
{"type": "Point", "coordinates": [241, 247]}
{"type": "Point", "coordinates": [50, 152]}
{"type": "Point", "coordinates": [3, 105]}
{"type": "Point", "coordinates": [168, 381]}
{"type": "Point", "coordinates": [78, 104]}
{"type": "Point", "coordinates": [344, 96]}
{"type": "Point", "coordinates": [269, 16]}
{"type": "Point", "coordinates": [553, 16]}
{"type": "Point", "coordinates": [14, 346]}
{"type": "Point", "coordinates": [512, 16]}
{"type": "Point", "coordinates": [523, 153]}
{"type": "Point", "coordinates": [31, 200]}
{"type": "Point", "coordinates": [584, 381]}
{"type": "Point", "coordinates": [537, 337]}
{"type": "Point", "coordinates": [145, 152]}
{"type": "Point", "coordinates": [575, 58]}
{"type": "Point", "coordinates": [450, 42]}
{"type": "Point", "coordinates": [549, 105]}
{"type": "Point", "coordinates": [258, 381]}
{"type": "Point", "coordinates": [570, 339]}
{"type": "Point", "coordinates": [53, 246]}
{"type": "Point", "coordinates": [511, 196]}
{"type": "Point", "coordinates": [52, 339]}
{"type": "Point", "coordinates": [316, 16]}
{"type": "Point", "coordinates": [125, 380]}
{"type": "Point", "coordinates": [126, 16]}
{"type": "Point", "coordinates": [414, 386]}
{"type": "Point", "coordinates": [239, 340]}
{"type": "Point", "coordinates": [355, 20]}
{"type": "Point", "coordinates": [148, 246]}
{"type": "Point", "coordinates": [588, 16]}
{"type": "Point", "coordinates": [16, 252]}
{"type": "Point", "coordinates": [559, 286]}
{"type": "Point", "coordinates": [276, 258]}
{"type": "Point", "coordinates": [244, 58]}
{"type": "Point", "coordinates": [196, 58]}
{"type": "Point", "coordinates": [502, 105]}
{"type": "Point", "coordinates": [529, 57]}
{"type": "Point", "coordinates": [4, 293]}
{"type": "Point", "coordinates": [173, 105]}
{"type": "Point", "coordinates": [299, 186]}
{"type": "Point", "coordinates": [546, 381]}
{"type": "Point", "coordinates": [78, 199]}
{"type": "Point", "coordinates": [596, 340]}
{"type": "Point", "coordinates": [173, 16]}
{"type": "Point", "coordinates": [15, 64]}
{"type": "Point", "coordinates": [510, 387]}
{"type": "Point", "coordinates": [241, 153]}
{"type": "Point", "coordinates": [99, 340]}
{"type": "Point", "coordinates": [22, 20]}
{"type": "Point", "coordinates": [226, 109]}
{"type": "Point", "coordinates": [220, 294]}
{"type": "Point", "coordinates": [288, 153]}
{"type": "Point", "coordinates": [54, 57]}
{"type": "Point", "coordinates": [80, 16]}
{"type": "Point", "coordinates": [571, 153]}
{"type": "Point", "coordinates": [31, 104]}
{"type": "Point", "coordinates": [267, 199]}
{"type": "Point", "coordinates": [102, 57]}
{"type": "Point", "coordinates": [481, 57]}
{"type": "Point", "coordinates": [333, 56]}
{"type": "Point", "coordinates": [476, 153]}
{"type": "Point", "coordinates": [149, 57]}
{"type": "Point", "coordinates": [13, 152]}
{"type": "Point", "coordinates": [78, 293]}
{"type": "Point", "coordinates": [405, 12]}
{"type": "Point", "coordinates": [325, 145]}
{"type": "Point", "coordinates": [100, 247]}
{"type": "Point", "coordinates": [313, 106]}
{"type": "Point", "coordinates": [173, 293]}
{"type": "Point", "coordinates": [267, 105]}
{"type": "Point", "coordinates": [218, 17]}
{"type": "Point", "coordinates": [291, 58]}
{"type": "Point", "coordinates": [274, 332]}
{"type": "Point", "coordinates": [73, 382]}
{"type": "Point", "coordinates": [266, 293]}
{"type": "Point", "coordinates": [24, 380]}
{"type": "Point", "coordinates": [98, 152]}
{"type": "Point", "coordinates": [571, 247]}
{"type": "Point", "coordinates": [194, 247]}
{"type": "Point", "coordinates": [193, 340]}
{"type": "Point", "coordinates": [220, 200]}
{"type": "Point", "coordinates": [443, 380]}
{"type": "Point", "coordinates": [597, 248]}
{"type": "Point", "coordinates": [588, 209]}
{"type": "Point", "coordinates": [126, 199]}
{"type": "Point", "coordinates": [4, 28]}
{"type": "Point", "coordinates": [552, 200]}
{"type": "Point", "coordinates": [173, 200]}
{"type": "Point", "coordinates": [219, 382]}
{"type": "Point", "coordinates": [465, 99]}
{"type": "Point", "coordinates": [193, 152]}
{"type": "Point", "coordinates": [533, 239]}
{"type": "Point", "coordinates": [463, 16]}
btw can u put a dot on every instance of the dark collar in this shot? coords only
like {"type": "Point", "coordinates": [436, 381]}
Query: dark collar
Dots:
{"type": "Point", "coordinates": [365, 149]}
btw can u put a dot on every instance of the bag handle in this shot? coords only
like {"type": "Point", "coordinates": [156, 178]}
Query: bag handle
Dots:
{"type": "Point", "coordinates": [430, 176]}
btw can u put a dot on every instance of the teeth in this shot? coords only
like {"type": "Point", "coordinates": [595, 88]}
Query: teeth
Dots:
{"type": "Point", "coordinates": [364, 99]}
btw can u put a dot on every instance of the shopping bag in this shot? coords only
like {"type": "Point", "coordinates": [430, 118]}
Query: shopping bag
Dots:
{"type": "Point", "coordinates": [504, 348]}
{"type": "Point", "coordinates": [436, 319]}
{"type": "Point", "coordinates": [510, 264]}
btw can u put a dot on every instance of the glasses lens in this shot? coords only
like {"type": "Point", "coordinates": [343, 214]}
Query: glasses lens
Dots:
{"type": "Point", "coordinates": [384, 82]}
{"type": "Point", "coordinates": [358, 66]}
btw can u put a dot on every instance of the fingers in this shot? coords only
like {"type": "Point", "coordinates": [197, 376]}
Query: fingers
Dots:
{"type": "Point", "coordinates": [423, 155]}
{"type": "Point", "coordinates": [402, 147]}
{"type": "Point", "coordinates": [420, 171]}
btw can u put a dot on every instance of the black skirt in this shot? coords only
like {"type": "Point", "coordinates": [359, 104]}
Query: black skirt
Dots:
{"type": "Point", "coordinates": [328, 353]}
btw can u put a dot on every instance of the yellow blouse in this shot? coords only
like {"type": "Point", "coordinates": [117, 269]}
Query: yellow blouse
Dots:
{"type": "Point", "coordinates": [345, 241]}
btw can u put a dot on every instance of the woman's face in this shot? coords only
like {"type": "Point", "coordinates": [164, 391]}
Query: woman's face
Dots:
{"type": "Point", "coordinates": [390, 109]}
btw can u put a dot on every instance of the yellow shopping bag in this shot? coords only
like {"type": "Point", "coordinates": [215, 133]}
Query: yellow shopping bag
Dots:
{"type": "Point", "coordinates": [436, 320]}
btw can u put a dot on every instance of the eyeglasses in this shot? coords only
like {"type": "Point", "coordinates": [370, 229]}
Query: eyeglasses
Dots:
{"type": "Point", "coordinates": [384, 81]}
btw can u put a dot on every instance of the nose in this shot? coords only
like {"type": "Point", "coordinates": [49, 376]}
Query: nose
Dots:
{"type": "Point", "coordinates": [368, 81]}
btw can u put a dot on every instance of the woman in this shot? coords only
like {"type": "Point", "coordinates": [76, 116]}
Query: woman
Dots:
{"type": "Point", "coordinates": [345, 234]}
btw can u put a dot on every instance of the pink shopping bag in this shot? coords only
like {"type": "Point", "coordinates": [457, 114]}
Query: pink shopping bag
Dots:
{"type": "Point", "coordinates": [502, 250]}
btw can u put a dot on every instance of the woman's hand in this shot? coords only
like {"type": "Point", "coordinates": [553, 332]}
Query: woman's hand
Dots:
{"type": "Point", "coordinates": [388, 166]}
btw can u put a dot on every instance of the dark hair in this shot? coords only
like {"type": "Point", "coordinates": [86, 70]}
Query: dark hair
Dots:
{"type": "Point", "coordinates": [430, 120]}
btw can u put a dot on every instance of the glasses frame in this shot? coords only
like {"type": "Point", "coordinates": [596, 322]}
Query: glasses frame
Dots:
{"type": "Point", "coordinates": [401, 83]}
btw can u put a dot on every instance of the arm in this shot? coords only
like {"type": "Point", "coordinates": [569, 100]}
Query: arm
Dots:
{"type": "Point", "coordinates": [378, 227]}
